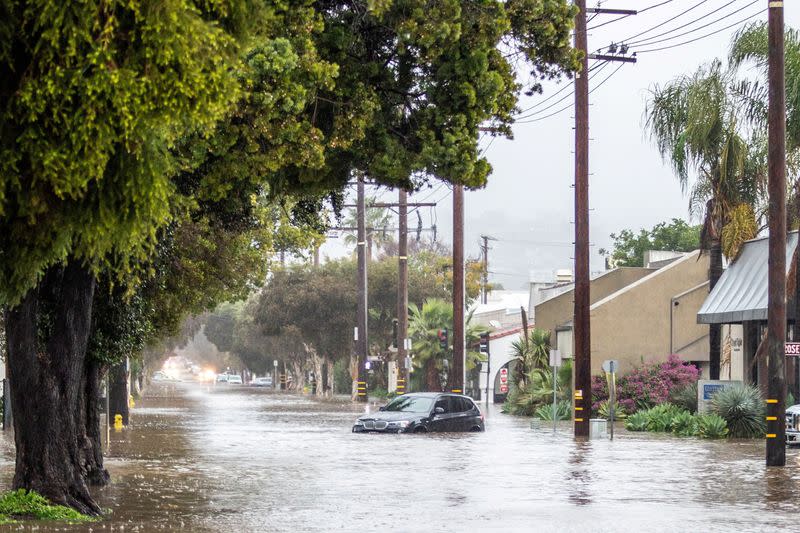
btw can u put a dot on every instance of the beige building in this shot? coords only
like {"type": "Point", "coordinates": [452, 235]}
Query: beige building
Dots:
{"type": "Point", "coordinates": [638, 314]}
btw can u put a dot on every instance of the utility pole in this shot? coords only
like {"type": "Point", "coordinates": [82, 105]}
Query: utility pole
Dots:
{"type": "Point", "coordinates": [457, 370]}
{"type": "Point", "coordinates": [402, 292]}
{"type": "Point", "coordinates": [583, 358]}
{"type": "Point", "coordinates": [581, 318]}
{"type": "Point", "coordinates": [485, 250]}
{"type": "Point", "coordinates": [361, 318]}
{"type": "Point", "coordinates": [776, 306]}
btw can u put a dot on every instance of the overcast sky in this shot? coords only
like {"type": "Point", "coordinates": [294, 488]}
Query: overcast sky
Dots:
{"type": "Point", "coordinates": [528, 202]}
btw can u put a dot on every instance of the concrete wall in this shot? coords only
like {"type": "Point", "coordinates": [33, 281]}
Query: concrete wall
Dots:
{"type": "Point", "coordinates": [633, 324]}
{"type": "Point", "coordinates": [558, 310]}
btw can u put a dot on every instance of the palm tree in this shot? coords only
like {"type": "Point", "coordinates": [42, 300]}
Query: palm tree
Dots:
{"type": "Point", "coordinates": [424, 323]}
{"type": "Point", "coordinates": [376, 219]}
{"type": "Point", "coordinates": [530, 354]}
{"type": "Point", "coordinates": [694, 122]}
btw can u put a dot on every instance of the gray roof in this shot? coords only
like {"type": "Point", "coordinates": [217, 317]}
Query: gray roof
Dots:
{"type": "Point", "coordinates": [741, 292]}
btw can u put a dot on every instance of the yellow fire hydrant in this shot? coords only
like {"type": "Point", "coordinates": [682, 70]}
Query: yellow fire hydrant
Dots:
{"type": "Point", "coordinates": [117, 422]}
{"type": "Point", "coordinates": [131, 403]}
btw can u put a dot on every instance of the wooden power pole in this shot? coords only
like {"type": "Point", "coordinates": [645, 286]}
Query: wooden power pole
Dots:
{"type": "Point", "coordinates": [582, 338]}
{"type": "Point", "coordinates": [361, 313]}
{"type": "Point", "coordinates": [456, 377]}
{"type": "Point", "coordinates": [402, 293]}
{"type": "Point", "coordinates": [776, 306]}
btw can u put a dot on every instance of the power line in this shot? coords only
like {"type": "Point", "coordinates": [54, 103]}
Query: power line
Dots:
{"type": "Point", "coordinates": [627, 15]}
{"type": "Point", "coordinates": [759, 12]}
{"type": "Point", "coordinates": [600, 65]}
{"type": "Point", "coordinates": [661, 24]}
{"type": "Point", "coordinates": [597, 66]}
{"type": "Point", "coordinates": [571, 104]}
{"type": "Point", "coordinates": [649, 40]}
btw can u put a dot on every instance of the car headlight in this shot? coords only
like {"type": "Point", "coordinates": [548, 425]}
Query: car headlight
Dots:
{"type": "Point", "coordinates": [399, 424]}
{"type": "Point", "coordinates": [359, 423]}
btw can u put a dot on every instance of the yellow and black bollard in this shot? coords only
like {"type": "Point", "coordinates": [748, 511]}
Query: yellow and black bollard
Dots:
{"type": "Point", "coordinates": [117, 422]}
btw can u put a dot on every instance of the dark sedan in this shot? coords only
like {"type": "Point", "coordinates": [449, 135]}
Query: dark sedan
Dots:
{"type": "Point", "coordinates": [423, 412]}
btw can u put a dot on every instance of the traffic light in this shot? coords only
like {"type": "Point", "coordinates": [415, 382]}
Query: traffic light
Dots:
{"type": "Point", "coordinates": [443, 342]}
{"type": "Point", "coordinates": [394, 333]}
{"type": "Point", "coordinates": [484, 346]}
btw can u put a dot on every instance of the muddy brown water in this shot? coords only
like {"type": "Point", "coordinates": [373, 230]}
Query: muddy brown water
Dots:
{"type": "Point", "coordinates": [235, 459]}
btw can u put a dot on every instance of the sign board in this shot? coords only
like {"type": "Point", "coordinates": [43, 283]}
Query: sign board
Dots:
{"type": "Point", "coordinates": [555, 357]}
{"type": "Point", "coordinates": [503, 376]}
{"type": "Point", "coordinates": [503, 389]}
{"type": "Point", "coordinates": [275, 363]}
{"type": "Point", "coordinates": [792, 349]}
{"type": "Point", "coordinates": [610, 366]}
{"type": "Point", "coordinates": [707, 388]}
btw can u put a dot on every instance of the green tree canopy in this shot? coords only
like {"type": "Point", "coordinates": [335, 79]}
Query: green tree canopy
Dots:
{"type": "Point", "coordinates": [629, 247]}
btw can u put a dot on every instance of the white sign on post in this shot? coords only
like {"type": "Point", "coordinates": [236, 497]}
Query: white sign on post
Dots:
{"type": "Point", "coordinates": [610, 366]}
{"type": "Point", "coordinates": [275, 363]}
{"type": "Point", "coordinates": [555, 357]}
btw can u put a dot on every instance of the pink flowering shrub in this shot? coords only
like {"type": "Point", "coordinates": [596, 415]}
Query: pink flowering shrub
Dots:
{"type": "Point", "coordinates": [647, 386]}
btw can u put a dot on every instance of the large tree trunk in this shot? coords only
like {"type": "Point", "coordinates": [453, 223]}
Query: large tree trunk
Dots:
{"type": "Point", "coordinates": [354, 375]}
{"type": "Point", "coordinates": [47, 336]}
{"type": "Point", "coordinates": [298, 376]}
{"type": "Point", "coordinates": [119, 392]}
{"type": "Point", "coordinates": [89, 422]}
{"type": "Point", "coordinates": [714, 330]}
{"type": "Point", "coordinates": [331, 380]}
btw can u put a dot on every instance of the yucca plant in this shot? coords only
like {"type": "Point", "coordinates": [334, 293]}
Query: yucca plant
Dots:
{"type": "Point", "coordinates": [563, 411]}
{"type": "Point", "coordinates": [711, 426]}
{"type": "Point", "coordinates": [742, 408]}
{"type": "Point", "coordinates": [684, 424]}
{"type": "Point", "coordinates": [637, 421]}
{"type": "Point", "coordinates": [685, 397]}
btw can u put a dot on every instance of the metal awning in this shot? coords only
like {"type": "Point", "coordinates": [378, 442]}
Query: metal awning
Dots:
{"type": "Point", "coordinates": [741, 292]}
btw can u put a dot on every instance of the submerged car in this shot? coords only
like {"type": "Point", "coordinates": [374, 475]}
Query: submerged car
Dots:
{"type": "Point", "coordinates": [793, 424]}
{"type": "Point", "coordinates": [423, 412]}
{"type": "Point", "coordinates": [265, 381]}
{"type": "Point", "coordinates": [234, 379]}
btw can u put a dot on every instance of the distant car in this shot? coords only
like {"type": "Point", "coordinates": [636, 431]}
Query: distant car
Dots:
{"type": "Point", "coordinates": [234, 380]}
{"type": "Point", "coordinates": [222, 378]}
{"type": "Point", "coordinates": [793, 424]}
{"type": "Point", "coordinates": [160, 376]}
{"type": "Point", "coordinates": [265, 381]}
{"type": "Point", "coordinates": [423, 412]}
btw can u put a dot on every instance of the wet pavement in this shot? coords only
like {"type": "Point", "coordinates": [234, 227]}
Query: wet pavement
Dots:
{"type": "Point", "coordinates": [230, 458]}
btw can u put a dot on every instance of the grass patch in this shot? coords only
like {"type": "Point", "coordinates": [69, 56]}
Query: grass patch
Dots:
{"type": "Point", "coordinates": [31, 505]}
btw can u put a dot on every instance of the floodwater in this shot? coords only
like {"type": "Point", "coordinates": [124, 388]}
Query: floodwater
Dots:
{"type": "Point", "coordinates": [233, 459]}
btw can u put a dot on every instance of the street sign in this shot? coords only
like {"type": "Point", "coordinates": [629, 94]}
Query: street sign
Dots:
{"type": "Point", "coordinates": [503, 389]}
{"type": "Point", "coordinates": [503, 377]}
{"type": "Point", "coordinates": [610, 366]}
{"type": "Point", "coordinates": [555, 357]}
{"type": "Point", "coordinates": [792, 349]}
{"type": "Point", "coordinates": [275, 363]}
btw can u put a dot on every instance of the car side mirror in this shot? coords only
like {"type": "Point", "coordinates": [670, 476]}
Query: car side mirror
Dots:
{"type": "Point", "coordinates": [438, 411]}
{"type": "Point", "coordinates": [382, 408]}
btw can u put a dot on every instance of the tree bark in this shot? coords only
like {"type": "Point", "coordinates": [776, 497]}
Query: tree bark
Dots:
{"type": "Point", "coordinates": [47, 337]}
{"type": "Point", "coordinates": [119, 392]}
{"type": "Point", "coordinates": [354, 375]}
{"type": "Point", "coordinates": [331, 377]}
{"type": "Point", "coordinates": [89, 421]}
{"type": "Point", "coordinates": [714, 330]}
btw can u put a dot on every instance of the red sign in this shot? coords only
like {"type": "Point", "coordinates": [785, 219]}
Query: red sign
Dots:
{"type": "Point", "coordinates": [503, 389]}
{"type": "Point", "coordinates": [792, 349]}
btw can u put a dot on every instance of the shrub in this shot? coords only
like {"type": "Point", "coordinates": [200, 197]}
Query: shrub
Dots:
{"type": "Point", "coordinates": [646, 386]}
{"type": "Point", "coordinates": [637, 421]}
{"type": "Point", "coordinates": [742, 408]}
{"type": "Point", "coordinates": [563, 411]}
{"type": "Point", "coordinates": [28, 504]}
{"type": "Point", "coordinates": [603, 411]}
{"type": "Point", "coordinates": [711, 426]}
{"type": "Point", "coordinates": [685, 397]}
{"type": "Point", "coordinates": [684, 424]}
{"type": "Point", "coordinates": [660, 417]}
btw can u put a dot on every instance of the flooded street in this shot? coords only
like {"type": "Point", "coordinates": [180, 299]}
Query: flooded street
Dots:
{"type": "Point", "coordinates": [236, 459]}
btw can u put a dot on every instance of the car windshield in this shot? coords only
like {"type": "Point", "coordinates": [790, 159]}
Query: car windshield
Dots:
{"type": "Point", "coordinates": [410, 404]}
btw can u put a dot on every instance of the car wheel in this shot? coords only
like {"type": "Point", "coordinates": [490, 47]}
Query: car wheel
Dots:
{"type": "Point", "coordinates": [420, 429]}
{"type": "Point", "coordinates": [476, 429]}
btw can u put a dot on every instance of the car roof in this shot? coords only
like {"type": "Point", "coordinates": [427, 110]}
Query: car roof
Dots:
{"type": "Point", "coordinates": [435, 395]}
